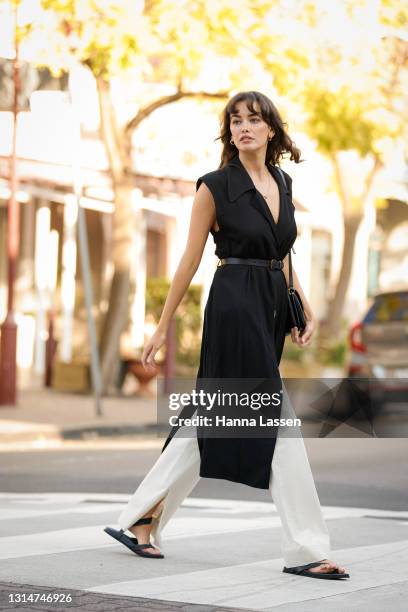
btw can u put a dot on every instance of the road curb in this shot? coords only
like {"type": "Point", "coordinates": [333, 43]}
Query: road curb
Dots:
{"type": "Point", "coordinates": [22, 433]}
{"type": "Point", "coordinates": [109, 431]}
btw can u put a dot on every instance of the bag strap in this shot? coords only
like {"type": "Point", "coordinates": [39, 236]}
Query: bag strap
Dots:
{"type": "Point", "coordinates": [290, 257]}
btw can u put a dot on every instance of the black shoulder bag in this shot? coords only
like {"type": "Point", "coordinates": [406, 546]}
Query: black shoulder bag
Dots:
{"type": "Point", "coordinates": [295, 315]}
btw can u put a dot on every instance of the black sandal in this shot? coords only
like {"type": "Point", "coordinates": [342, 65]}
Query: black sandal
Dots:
{"type": "Point", "coordinates": [132, 543]}
{"type": "Point", "coordinates": [301, 570]}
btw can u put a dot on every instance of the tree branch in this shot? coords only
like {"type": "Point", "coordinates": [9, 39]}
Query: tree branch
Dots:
{"type": "Point", "coordinates": [377, 165]}
{"type": "Point", "coordinates": [399, 61]}
{"type": "Point", "coordinates": [150, 108]}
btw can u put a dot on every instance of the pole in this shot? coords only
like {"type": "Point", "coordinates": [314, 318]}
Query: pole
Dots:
{"type": "Point", "coordinates": [84, 256]}
{"type": "Point", "coordinates": [86, 277]}
{"type": "Point", "coordinates": [8, 341]}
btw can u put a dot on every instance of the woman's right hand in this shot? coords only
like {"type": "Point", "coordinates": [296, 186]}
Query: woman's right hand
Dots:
{"type": "Point", "coordinates": [151, 347]}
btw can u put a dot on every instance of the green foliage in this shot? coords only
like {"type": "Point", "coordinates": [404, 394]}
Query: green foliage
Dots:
{"type": "Point", "coordinates": [320, 352]}
{"type": "Point", "coordinates": [394, 13]}
{"type": "Point", "coordinates": [336, 120]}
{"type": "Point", "coordinates": [156, 292]}
{"type": "Point", "coordinates": [293, 353]}
{"type": "Point", "coordinates": [169, 41]}
{"type": "Point", "coordinates": [352, 94]}
{"type": "Point", "coordinates": [333, 354]}
{"type": "Point", "coordinates": [108, 37]}
{"type": "Point", "coordinates": [187, 316]}
{"type": "Point", "coordinates": [381, 203]}
{"type": "Point", "coordinates": [332, 351]}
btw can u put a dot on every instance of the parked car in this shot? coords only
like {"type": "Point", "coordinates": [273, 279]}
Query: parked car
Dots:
{"type": "Point", "coordinates": [379, 348]}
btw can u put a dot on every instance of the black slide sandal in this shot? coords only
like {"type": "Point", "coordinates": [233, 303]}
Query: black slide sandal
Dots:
{"type": "Point", "coordinates": [132, 543]}
{"type": "Point", "coordinates": [301, 570]}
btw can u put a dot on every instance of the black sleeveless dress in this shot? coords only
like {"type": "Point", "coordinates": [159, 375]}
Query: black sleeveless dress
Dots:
{"type": "Point", "coordinates": [244, 317]}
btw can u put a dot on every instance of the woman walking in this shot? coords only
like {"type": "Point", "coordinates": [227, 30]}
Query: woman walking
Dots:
{"type": "Point", "coordinates": [247, 207]}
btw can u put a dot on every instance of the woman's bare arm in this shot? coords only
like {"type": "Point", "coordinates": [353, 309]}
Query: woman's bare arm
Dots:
{"type": "Point", "coordinates": [202, 218]}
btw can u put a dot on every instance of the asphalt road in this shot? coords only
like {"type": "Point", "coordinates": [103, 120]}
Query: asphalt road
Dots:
{"type": "Point", "coordinates": [370, 473]}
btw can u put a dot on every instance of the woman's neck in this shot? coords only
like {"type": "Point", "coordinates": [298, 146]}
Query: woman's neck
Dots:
{"type": "Point", "coordinates": [254, 164]}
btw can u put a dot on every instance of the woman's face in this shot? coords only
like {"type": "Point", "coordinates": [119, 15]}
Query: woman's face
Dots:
{"type": "Point", "coordinates": [248, 130]}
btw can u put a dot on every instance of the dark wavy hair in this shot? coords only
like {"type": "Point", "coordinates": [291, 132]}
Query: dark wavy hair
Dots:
{"type": "Point", "coordinates": [281, 142]}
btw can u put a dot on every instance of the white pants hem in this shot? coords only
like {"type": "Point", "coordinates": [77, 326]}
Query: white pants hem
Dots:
{"type": "Point", "coordinates": [305, 537]}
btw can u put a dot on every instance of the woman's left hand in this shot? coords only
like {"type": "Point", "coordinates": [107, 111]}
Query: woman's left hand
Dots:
{"type": "Point", "coordinates": [304, 339]}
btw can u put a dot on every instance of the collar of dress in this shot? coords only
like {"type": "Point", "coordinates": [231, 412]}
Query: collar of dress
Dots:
{"type": "Point", "coordinates": [239, 181]}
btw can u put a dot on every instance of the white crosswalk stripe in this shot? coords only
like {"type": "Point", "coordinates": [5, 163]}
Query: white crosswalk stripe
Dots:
{"type": "Point", "coordinates": [258, 584]}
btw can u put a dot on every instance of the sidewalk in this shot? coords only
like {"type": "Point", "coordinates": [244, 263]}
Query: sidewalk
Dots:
{"type": "Point", "coordinates": [47, 415]}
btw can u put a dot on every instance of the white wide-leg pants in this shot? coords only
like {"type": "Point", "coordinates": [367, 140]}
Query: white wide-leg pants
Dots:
{"type": "Point", "coordinates": [305, 537]}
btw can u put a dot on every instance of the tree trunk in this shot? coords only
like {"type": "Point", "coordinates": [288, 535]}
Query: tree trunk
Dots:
{"type": "Point", "coordinates": [332, 325]}
{"type": "Point", "coordinates": [116, 318]}
{"type": "Point", "coordinates": [353, 213]}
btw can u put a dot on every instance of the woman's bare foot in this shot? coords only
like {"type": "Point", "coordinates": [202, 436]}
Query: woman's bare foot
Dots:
{"type": "Point", "coordinates": [142, 533]}
{"type": "Point", "coordinates": [327, 567]}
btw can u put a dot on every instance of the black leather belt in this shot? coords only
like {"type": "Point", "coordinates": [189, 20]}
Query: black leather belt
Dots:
{"type": "Point", "coordinates": [273, 264]}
